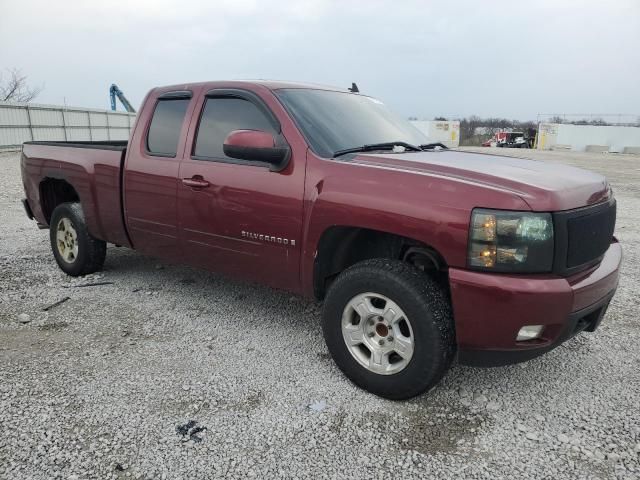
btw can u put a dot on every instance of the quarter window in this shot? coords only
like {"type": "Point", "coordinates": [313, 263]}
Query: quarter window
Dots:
{"type": "Point", "coordinates": [166, 124]}
{"type": "Point", "coordinates": [223, 115]}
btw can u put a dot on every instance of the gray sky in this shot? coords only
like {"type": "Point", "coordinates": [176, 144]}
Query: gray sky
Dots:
{"type": "Point", "coordinates": [423, 58]}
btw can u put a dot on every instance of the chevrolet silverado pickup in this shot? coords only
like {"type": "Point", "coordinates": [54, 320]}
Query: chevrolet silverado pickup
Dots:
{"type": "Point", "coordinates": [422, 255]}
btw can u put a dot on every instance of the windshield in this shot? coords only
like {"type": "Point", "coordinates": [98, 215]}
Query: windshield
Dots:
{"type": "Point", "coordinates": [332, 121]}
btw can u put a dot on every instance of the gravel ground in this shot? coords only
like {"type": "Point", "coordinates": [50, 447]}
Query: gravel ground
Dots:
{"type": "Point", "coordinates": [171, 372]}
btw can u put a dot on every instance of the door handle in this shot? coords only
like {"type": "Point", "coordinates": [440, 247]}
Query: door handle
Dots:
{"type": "Point", "coordinates": [195, 182]}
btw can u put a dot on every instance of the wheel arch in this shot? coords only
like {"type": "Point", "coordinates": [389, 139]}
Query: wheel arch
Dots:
{"type": "Point", "coordinates": [341, 246]}
{"type": "Point", "coordinates": [53, 192]}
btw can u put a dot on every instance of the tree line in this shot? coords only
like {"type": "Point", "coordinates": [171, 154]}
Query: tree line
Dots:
{"type": "Point", "coordinates": [474, 130]}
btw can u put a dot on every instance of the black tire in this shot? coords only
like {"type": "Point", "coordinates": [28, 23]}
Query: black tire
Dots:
{"type": "Point", "coordinates": [424, 303]}
{"type": "Point", "coordinates": [91, 252]}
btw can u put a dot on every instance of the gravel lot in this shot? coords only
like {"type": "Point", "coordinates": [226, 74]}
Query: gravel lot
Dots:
{"type": "Point", "coordinates": [105, 384]}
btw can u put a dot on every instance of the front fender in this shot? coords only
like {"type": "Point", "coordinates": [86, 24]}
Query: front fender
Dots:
{"type": "Point", "coordinates": [432, 210]}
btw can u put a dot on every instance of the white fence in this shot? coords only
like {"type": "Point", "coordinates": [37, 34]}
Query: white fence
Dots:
{"type": "Point", "coordinates": [445, 132]}
{"type": "Point", "coordinates": [596, 138]}
{"type": "Point", "coordinates": [23, 122]}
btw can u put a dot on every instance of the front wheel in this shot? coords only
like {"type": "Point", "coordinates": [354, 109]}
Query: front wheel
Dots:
{"type": "Point", "coordinates": [389, 328]}
{"type": "Point", "coordinates": [75, 250]}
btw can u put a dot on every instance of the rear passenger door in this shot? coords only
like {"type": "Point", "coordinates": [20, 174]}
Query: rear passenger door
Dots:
{"type": "Point", "coordinates": [151, 175]}
{"type": "Point", "coordinates": [244, 220]}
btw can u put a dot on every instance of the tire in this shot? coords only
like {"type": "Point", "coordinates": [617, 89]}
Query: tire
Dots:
{"type": "Point", "coordinates": [75, 250]}
{"type": "Point", "coordinates": [409, 293]}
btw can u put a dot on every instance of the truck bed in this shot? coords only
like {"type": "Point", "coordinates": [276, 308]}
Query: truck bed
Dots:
{"type": "Point", "coordinates": [95, 171]}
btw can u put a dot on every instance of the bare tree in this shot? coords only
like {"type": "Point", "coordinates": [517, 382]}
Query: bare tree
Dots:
{"type": "Point", "coordinates": [15, 88]}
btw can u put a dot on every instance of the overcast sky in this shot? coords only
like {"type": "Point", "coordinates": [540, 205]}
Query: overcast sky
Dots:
{"type": "Point", "coordinates": [424, 58]}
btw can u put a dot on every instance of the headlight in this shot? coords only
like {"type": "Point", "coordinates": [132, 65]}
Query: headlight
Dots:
{"type": "Point", "coordinates": [505, 241]}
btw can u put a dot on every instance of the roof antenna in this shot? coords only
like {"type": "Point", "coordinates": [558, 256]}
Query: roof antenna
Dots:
{"type": "Point", "coordinates": [354, 88]}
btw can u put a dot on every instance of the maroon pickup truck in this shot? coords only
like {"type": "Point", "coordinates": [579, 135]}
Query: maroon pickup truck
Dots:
{"type": "Point", "coordinates": [421, 254]}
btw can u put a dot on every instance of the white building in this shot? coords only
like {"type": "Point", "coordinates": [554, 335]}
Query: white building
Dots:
{"type": "Point", "coordinates": [445, 132]}
{"type": "Point", "coordinates": [594, 138]}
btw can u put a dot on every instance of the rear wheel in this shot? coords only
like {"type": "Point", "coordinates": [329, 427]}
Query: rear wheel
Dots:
{"type": "Point", "coordinates": [75, 250]}
{"type": "Point", "coordinates": [389, 328]}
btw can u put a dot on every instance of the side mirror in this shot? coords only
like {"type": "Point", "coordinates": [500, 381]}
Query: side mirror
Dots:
{"type": "Point", "coordinates": [257, 146]}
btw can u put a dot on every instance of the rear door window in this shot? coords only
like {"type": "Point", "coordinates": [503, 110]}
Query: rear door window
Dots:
{"type": "Point", "coordinates": [221, 116]}
{"type": "Point", "coordinates": [166, 124]}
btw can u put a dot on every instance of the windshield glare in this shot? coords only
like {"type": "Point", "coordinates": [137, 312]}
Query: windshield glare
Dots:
{"type": "Point", "coordinates": [333, 121]}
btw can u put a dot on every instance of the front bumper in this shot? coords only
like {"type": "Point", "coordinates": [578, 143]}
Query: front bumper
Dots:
{"type": "Point", "coordinates": [490, 309]}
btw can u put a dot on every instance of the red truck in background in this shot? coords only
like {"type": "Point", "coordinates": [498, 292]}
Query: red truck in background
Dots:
{"type": "Point", "coordinates": [506, 139]}
{"type": "Point", "coordinates": [420, 255]}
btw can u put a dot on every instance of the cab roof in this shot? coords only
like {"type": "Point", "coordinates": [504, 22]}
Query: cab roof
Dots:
{"type": "Point", "coordinates": [270, 84]}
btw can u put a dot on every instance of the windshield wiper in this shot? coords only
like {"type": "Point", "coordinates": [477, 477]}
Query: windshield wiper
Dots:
{"type": "Point", "coordinates": [377, 146]}
{"type": "Point", "coordinates": [433, 146]}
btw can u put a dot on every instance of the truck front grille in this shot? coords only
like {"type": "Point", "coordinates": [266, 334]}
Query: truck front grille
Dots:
{"type": "Point", "coordinates": [583, 236]}
{"type": "Point", "coordinates": [590, 236]}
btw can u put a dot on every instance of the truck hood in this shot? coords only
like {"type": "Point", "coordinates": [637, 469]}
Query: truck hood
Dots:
{"type": "Point", "coordinates": [543, 186]}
